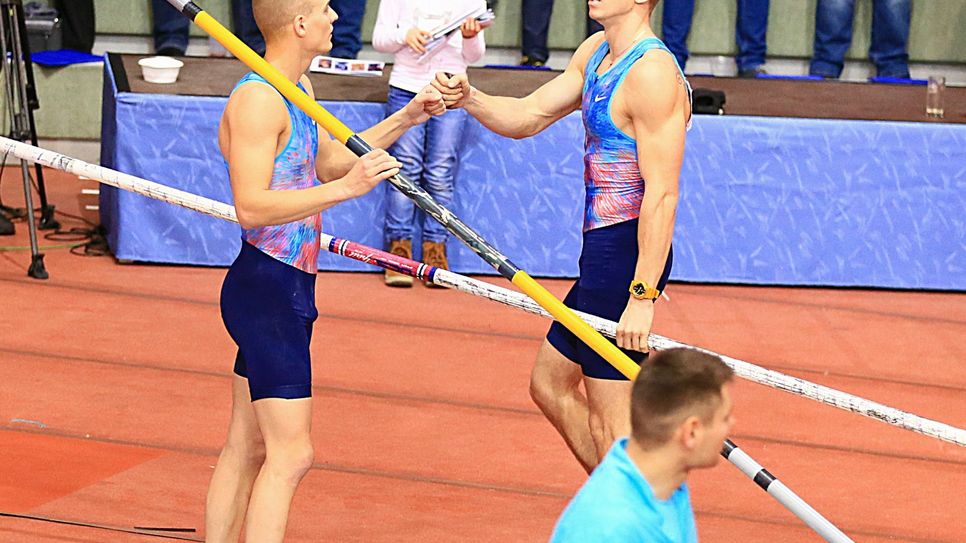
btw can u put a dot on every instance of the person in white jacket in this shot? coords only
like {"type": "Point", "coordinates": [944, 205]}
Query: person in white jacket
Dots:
{"type": "Point", "coordinates": [428, 152]}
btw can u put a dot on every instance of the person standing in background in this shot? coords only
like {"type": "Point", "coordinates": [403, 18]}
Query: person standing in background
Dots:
{"type": "Point", "coordinates": [79, 24]}
{"type": "Point", "coordinates": [171, 28]}
{"type": "Point", "coordinates": [347, 32]}
{"type": "Point", "coordinates": [890, 37]}
{"type": "Point", "coordinates": [751, 27]}
{"type": "Point", "coordinates": [536, 28]}
{"type": "Point", "coordinates": [429, 153]}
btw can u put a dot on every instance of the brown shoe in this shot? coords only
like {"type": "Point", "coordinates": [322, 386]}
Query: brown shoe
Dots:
{"type": "Point", "coordinates": [434, 254]}
{"type": "Point", "coordinates": [403, 248]}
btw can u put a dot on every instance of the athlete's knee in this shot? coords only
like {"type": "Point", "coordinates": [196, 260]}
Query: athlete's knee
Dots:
{"type": "Point", "coordinates": [548, 390]}
{"type": "Point", "coordinates": [541, 390]}
{"type": "Point", "coordinates": [291, 461]}
{"type": "Point", "coordinates": [248, 449]}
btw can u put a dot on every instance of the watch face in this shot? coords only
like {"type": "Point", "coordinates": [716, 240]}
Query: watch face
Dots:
{"type": "Point", "coordinates": [639, 289]}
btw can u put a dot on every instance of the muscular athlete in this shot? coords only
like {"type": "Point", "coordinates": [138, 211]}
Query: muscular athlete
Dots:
{"type": "Point", "coordinates": [636, 108]}
{"type": "Point", "coordinates": [276, 156]}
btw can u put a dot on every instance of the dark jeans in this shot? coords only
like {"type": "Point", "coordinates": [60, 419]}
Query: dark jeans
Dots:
{"type": "Point", "coordinates": [890, 37]}
{"type": "Point", "coordinates": [78, 16]}
{"type": "Point", "coordinates": [171, 27]}
{"type": "Point", "coordinates": [750, 30]}
{"type": "Point", "coordinates": [347, 32]}
{"type": "Point", "coordinates": [536, 27]}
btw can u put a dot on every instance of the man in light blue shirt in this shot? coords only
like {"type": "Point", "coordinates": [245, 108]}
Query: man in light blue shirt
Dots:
{"type": "Point", "coordinates": [680, 416]}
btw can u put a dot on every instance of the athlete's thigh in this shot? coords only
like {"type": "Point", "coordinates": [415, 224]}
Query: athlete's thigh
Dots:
{"type": "Point", "coordinates": [243, 427]}
{"type": "Point", "coordinates": [610, 400]}
{"type": "Point", "coordinates": [283, 422]}
{"type": "Point", "coordinates": [554, 368]}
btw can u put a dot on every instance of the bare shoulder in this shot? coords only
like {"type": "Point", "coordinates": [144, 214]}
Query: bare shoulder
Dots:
{"type": "Point", "coordinates": [656, 70]}
{"type": "Point", "coordinates": [256, 106]}
{"type": "Point", "coordinates": [657, 76]}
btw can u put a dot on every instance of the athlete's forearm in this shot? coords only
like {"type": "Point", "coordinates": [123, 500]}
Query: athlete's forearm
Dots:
{"type": "Point", "coordinates": [654, 232]}
{"type": "Point", "coordinates": [510, 117]}
{"type": "Point", "coordinates": [271, 207]}
{"type": "Point", "coordinates": [387, 131]}
{"type": "Point", "coordinates": [380, 136]}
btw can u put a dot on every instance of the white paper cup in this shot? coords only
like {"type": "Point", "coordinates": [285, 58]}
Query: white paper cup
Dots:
{"type": "Point", "coordinates": [160, 69]}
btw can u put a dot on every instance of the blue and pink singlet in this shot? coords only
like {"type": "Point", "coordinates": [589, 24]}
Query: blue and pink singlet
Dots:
{"type": "Point", "coordinates": [268, 297]}
{"type": "Point", "coordinates": [614, 193]}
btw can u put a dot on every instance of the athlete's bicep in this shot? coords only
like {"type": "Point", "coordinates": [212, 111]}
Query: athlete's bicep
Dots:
{"type": "Point", "coordinates": [655, 101]}
{"type": "Point", "coordinates": [253, 142]}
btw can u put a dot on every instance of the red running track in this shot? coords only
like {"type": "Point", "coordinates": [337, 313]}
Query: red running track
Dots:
{"type": "Point", "coordinates": [114, 401]}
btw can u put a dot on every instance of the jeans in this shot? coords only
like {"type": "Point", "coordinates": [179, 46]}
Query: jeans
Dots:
{"type": "Point", "coordinates": [890, 36]}
{"type": "Point", "coordinates": [750, 30]}
{"type": "Point", "coordinates": [171, 27]}
{"type": "Point", "coordinates": [347, 32]}
{"type": "Point", "coordinates": [536, 28]}
{"type": "Point", "coordinates": [429, 154]}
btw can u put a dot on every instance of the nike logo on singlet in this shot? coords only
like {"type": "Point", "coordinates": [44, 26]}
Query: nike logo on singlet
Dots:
{"type": "Point", "coordinates": [599, 97]}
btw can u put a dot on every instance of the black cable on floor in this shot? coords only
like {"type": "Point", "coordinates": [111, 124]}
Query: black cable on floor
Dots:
{"type": "Point", "coordinates": [164, 533]}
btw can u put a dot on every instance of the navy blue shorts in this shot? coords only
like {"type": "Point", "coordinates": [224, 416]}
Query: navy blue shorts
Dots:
{"type": "Point", "coordinates": [268, 308]}
{"type": "Point", "coordinates": [607, 264]}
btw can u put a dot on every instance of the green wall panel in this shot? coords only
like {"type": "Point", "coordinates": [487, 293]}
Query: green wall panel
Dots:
{"type": "Point", "coordinates": [791, 27]}
{"type": "Point", "coordinates": [936, 34]}
{"type": "Point", "coordinates": [134, 16]}
{"type": "Point", "coordinates": [70, 102]}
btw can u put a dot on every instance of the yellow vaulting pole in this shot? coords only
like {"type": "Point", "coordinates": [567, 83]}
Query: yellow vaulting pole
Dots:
{"type": "Point", "coordinates": [357, 145]}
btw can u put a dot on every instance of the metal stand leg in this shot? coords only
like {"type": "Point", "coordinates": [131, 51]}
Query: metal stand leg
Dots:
{"type": "Point", "coordinates": [20, 101]}
{"type": "Point", "coordinates": [36, 269]}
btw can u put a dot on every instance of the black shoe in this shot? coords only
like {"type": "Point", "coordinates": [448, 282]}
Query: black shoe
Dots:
{"type": "Point", "coordinates": [170, 52]}
{"type": "Point", "coordinates": [752, 72]}
{"type": "Point", "coordinates": [527, 61]}
{"type": "Point", "coordinates": [6, 227]}
{"type": "Point", "coordinates": [827, 77]}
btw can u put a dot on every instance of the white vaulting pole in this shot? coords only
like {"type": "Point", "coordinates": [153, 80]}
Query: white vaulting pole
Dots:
{"type": "Point", "coordinates": [745, 370]}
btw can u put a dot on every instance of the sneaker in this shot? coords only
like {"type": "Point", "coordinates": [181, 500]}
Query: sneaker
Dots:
{"type": "Point", "coordinates": [434, 254]}
{"type": "Point", "coordinates": [403, 248]}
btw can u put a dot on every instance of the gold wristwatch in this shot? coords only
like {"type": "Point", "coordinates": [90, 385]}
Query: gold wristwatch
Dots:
{"type": "Point", "coordinates": [640, 290]}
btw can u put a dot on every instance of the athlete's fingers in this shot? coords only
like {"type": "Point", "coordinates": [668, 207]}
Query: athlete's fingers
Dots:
{"type": "Point", "coordinates": [638, 342]}
{"type": "Point", "coordinates": [383, 165]}
{"type": "Point", "coordinates": [392, 172]}
{"type": "Point", "coordinates": [374, 156]}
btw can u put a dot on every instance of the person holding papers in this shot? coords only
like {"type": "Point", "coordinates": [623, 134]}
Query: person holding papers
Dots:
{"type": "Point", "coordinates": [415, 31]}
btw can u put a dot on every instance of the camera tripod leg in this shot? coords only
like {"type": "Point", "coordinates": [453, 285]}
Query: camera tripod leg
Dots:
{"type": "Point", "coordinates": [37, 269]}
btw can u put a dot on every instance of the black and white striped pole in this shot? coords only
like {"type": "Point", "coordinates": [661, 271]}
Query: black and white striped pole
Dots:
{"type": "Point", "coordinates": [777, 489]}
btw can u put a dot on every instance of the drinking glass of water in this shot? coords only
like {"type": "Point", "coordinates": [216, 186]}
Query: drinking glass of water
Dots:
{"type": "Point", "coordinates": [935, 90]}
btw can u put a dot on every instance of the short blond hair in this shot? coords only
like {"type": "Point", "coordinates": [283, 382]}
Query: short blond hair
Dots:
{"type": "Point", "coordinates": [273, 15]}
